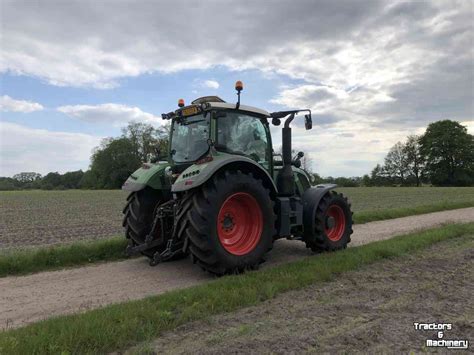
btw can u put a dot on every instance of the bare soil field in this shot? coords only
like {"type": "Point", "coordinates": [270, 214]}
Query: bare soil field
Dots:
{"type": "Point", "coordinates": [31, 218]}
{"type": "Point", "coordinates": [27, 299]}
{"type": "Point", "coordinates": [367, 311]}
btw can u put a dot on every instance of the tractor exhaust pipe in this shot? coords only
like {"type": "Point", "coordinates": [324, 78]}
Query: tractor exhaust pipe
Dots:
{"type": "Point", "coordinates": [285, 181]}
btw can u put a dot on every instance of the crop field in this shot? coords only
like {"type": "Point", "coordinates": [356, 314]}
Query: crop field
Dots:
{"type": "Point", "coordinates": [30, 218]}
{"type": "Point", "coordinates": [49, 217]}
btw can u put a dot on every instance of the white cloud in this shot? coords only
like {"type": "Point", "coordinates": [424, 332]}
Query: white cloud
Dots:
{"type": "Point", "coordinates": [115, 114]}
{"type": "Point", "coordinates": [27, 149]}
{"type": "Point", "coordinates": [8, 104]}
{"type": "Point", "coordinates": [376, 70]}
{"type": "Point", "coordinates": [211, 84]}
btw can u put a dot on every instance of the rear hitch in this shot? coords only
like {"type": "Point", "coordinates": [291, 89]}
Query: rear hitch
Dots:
{"type": "Point", "coordinates": [171, 250]}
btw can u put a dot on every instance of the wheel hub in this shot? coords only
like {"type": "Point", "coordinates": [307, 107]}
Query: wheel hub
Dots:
{"type": "Point", "coordinates": [330, 222]}
{"type": "Point", "coordinates": [228, 222]}
{"type": "Point", "coordinates": [240, 223]}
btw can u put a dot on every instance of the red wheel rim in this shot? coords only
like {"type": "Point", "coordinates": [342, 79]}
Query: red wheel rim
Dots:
{"type": "Point", "coordinates": [336, 231]}
{"type": "Point", "coordinates": [240, 223]}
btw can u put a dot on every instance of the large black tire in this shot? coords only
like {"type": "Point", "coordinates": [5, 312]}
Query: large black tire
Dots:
{"type": "Point", "coordinates": [335, 234]}
{"type": "Point", "coordinates": [231, 223]}
{"type": "Point", "coordinates": [138, 217]}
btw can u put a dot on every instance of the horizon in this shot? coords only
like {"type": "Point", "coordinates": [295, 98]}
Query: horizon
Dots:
{"type": "Point", "coordinates": [372, 73]}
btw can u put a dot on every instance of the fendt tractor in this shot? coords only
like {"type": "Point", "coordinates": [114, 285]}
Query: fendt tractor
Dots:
{"type": "Point", "coordinates": [223, 196]}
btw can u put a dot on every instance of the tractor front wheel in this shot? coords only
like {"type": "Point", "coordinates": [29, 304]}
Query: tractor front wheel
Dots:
{"type": "Point", "coordinates": [231, 223]}
{"type": "Point", "coordinates": [333, 224]}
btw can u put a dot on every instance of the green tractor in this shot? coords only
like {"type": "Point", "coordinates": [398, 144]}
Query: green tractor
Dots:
{"type": "Point", "coordinates": [223, 196]}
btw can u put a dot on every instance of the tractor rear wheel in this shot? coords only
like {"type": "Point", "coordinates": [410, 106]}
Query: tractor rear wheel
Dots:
{"type": "Point", "coordinates": [139, 213]}
{"type": "Point", "coordinates": [231, 223]}
{"type": "Point", "coordinates": [333, 225]}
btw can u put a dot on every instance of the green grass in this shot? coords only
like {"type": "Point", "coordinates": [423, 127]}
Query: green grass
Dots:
{"type": "Point", "coordinates": [369, 199]}
{"type": "Point", "coordinates": [379, 215]}
{"type": "Point", "coordinates": [24, 261]}
{"type": "Point", "coordinates": [380, 203]}
{"type": "Point", "coordinates": [123, 325]}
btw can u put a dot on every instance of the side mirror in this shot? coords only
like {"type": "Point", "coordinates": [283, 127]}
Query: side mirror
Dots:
{"type": "Point", "coordinates": [276, 121]}
{"type": "Point", "coordinates": [308, 122]}
{"type": "Point", "coordinates": [300, 155]}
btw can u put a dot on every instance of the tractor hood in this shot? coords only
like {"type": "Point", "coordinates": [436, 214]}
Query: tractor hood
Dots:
{"type": "Point", "coordinates": [149, 174]}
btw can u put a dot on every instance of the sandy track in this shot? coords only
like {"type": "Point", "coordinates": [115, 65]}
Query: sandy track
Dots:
{"type": "Point", "coordinates": [27, 299]}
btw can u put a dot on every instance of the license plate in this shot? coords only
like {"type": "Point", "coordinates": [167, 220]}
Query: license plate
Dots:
{"type": "Point", "coordinates": [188, 111]}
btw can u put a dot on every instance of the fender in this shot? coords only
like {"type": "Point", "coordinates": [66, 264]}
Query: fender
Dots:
{"type": "Point", "coordinates": [311, 199]}
{"type": "Point", "coordinates": [148, 175]}
{"type": "Point", "coordinates": [198, 174]}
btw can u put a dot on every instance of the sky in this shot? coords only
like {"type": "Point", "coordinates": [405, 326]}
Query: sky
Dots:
{"type": "Point", "coordinates": [372, 72]}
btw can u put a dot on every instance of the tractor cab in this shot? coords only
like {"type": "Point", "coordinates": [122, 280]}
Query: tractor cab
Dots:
{"type": "Point", "coordinates": [211, 122]}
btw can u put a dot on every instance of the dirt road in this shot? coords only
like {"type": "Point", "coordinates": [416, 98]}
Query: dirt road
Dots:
{"type": "Point", "coordinates": [27, 299]}
{"type": "Point", "coordinates": [359, 312]}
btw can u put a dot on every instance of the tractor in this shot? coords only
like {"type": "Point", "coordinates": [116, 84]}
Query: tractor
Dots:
{"type": "Point", "coordinates": [223, 196]}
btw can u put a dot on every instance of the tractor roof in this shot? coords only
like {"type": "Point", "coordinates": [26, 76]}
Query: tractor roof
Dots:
{"type": "Point", "coordinates": [226, 105]}
{"type": "Point", "coordinates": [217, 102]}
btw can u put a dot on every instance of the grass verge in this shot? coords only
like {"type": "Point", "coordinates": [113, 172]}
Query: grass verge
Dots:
{"type": "Point", "coordinates": [31, 260]}
{"type": "Point", "coordinates": [123, 325]}
{"type": "Point", "coordinates": [25, 261]}
{"type": "Point", "coordinates": [379, 215]}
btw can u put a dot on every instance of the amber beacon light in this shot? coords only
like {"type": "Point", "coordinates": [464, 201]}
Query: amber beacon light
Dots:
{"type": "Point", "coordinates": [181, 103]}
{"type": "Point", "coordinates": [239, 86]}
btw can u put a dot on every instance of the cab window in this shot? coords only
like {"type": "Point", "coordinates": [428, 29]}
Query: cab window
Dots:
{"type": "Point", "coordinates": [238, 133]}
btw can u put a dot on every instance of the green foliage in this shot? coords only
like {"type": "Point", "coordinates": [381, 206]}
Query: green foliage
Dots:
{"type": "Point", "coordinates": [449, 152]}
{"type": "Point", "coordinates": [444, 156]}
{"type": "Point", "coordinates": [113, 162]}
{"type": "Point", "coordinates": [415, 159]}
{"type": "Point", "coordinates": [26, 177]}
{"type": "Point", "coordinates": [24, 261]}
{"type": "Point", "coordinates": [72, 179]}
{"type": "Point", "coordinates": [117, 158]}
{"type": "Point", "coordinates": [340, 181]}
{"type": "Point", "coordinates": [117, 327]}
{"type": "Point", "coordinates": [7, 184]}
{"type": "Point", "coordinates": [396, 163]}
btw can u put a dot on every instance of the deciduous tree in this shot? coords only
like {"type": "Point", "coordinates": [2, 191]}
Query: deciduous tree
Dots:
{"type": "Point", "coordinates": [449, 153]}
{"type": "Point", "coordinates": [396, 163]}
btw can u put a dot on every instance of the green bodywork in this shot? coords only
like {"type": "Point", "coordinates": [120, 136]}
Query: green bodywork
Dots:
{"type": "Point", "coordinates": [152, 175]}
{"type": "Point", "coordinates": [197, 174]}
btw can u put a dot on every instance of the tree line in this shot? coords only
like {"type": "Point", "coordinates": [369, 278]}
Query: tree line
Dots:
{"type": "Point", "coordinates": [442, 156]}
{"type": "Point", "coordinates": [111, 163]}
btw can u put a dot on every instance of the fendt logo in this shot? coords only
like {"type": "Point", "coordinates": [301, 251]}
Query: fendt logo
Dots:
{"type": "Point", "coordinates": [441, 328]}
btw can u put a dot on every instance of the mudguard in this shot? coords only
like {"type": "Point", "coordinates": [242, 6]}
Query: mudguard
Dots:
{"type": "Point", "coordinates": [198, 174]}
{"type": "Point", "coordinates": [311, 199]}
{"type": "Point", "coordinates": [149, 174]}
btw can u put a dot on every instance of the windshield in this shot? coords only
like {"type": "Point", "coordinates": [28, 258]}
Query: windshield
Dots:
{"type": "Point", "coordinates": [189, 139]}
